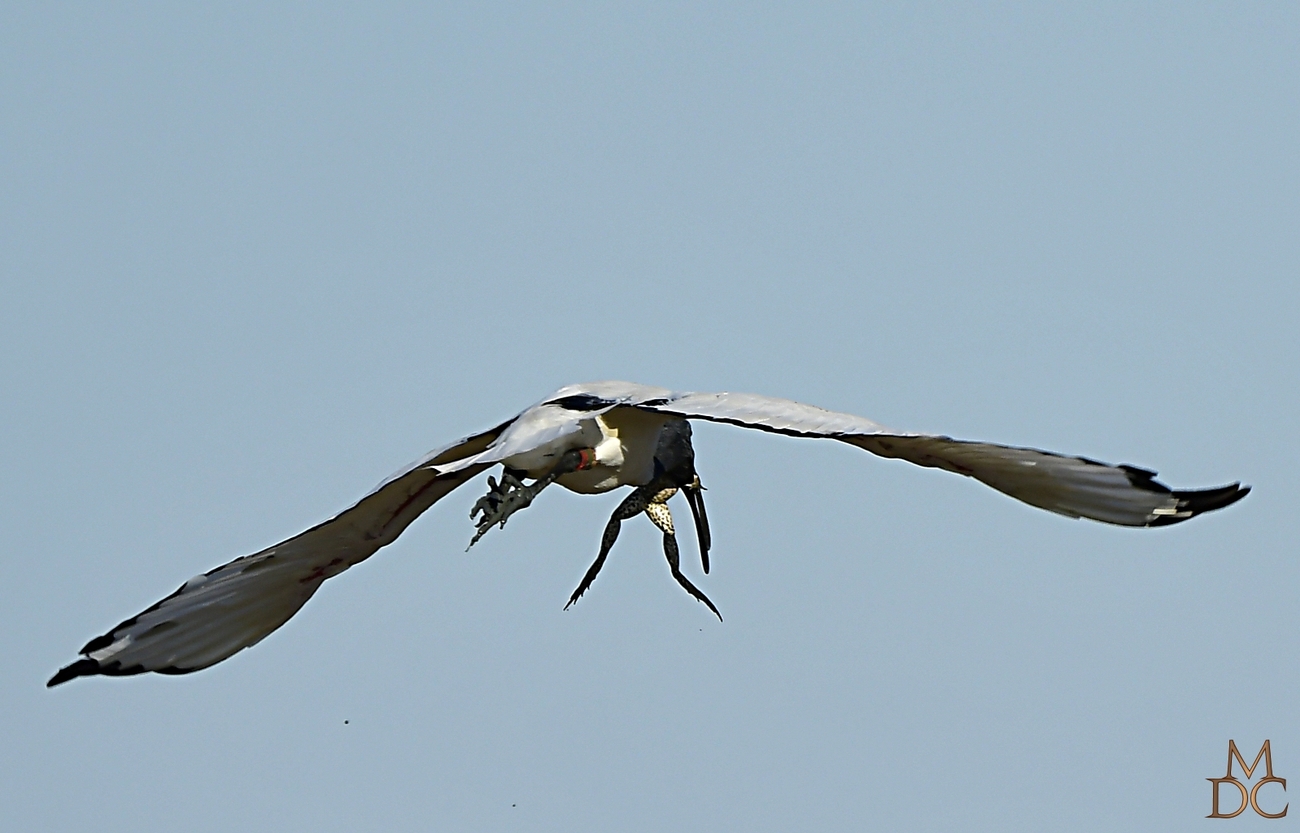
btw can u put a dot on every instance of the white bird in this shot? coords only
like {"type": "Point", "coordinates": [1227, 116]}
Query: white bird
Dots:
{"type": "Point", "coordinates": [590, 439]}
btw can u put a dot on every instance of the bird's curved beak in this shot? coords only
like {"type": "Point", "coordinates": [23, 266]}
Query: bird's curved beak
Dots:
{"type": "Point", "coordinates": [695, 497]}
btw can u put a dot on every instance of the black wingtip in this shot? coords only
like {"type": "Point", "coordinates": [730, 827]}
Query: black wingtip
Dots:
{"type": "Point", "coordinates": [114, 668]}
{"type": "Point", "coordinates": [1207, 500]}
{"type": "Point", "coordinates": [1193, 503]}
{"type": "Point", "coordinates": [80, 668]}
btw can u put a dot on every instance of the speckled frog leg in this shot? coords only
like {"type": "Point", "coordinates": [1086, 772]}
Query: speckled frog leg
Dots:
{"type": "Point", "coordinates": [658, 511]}
{"type": "Point", "coordinates": [633, 505]}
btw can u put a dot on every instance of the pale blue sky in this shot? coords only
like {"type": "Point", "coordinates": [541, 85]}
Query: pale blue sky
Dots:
{"type": "Point", "coordinates": [256, 260]}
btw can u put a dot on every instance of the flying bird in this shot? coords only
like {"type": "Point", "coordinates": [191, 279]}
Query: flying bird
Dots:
{"type": "Point", "coordinates": [590, 439]}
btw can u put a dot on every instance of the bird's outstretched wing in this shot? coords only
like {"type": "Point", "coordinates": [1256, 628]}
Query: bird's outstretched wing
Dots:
{"type": "Point", "coordinates": [227, 609]}
{"type": "Point", "coordinates": [236, 605]}
{"type": "Point", "coordinates": [1072, 486]}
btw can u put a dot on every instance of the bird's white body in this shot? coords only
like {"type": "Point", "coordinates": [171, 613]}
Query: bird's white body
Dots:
{"type": "Point", "coordinates": [234, 606]}
{"type": "Point", "coordinates": [623, 440]}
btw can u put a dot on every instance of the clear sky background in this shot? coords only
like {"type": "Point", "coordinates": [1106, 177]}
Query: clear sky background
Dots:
{"type": "Point", "coordinates": [255, 260]}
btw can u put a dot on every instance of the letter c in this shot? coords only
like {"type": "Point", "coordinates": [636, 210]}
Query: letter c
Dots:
{"type": "Point", "coordinates": [1255, 805]}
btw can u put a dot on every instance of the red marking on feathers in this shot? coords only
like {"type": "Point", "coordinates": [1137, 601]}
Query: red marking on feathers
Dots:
{"type": "Point", "coordinates": [319, 572]}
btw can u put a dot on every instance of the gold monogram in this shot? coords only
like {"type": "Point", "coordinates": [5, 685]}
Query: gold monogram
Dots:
{"type": "Point", "coordinates": [1247, 797]}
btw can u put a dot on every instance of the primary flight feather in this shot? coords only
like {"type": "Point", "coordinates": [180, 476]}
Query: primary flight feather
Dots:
{"type": "Point", "coordinates": [589, 438]}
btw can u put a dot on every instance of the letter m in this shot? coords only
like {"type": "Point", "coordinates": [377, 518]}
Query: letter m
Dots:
{"type": "Point", "coordinates": [1264, 752]}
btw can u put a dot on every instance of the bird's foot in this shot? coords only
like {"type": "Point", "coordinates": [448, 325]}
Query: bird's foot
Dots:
{"type": "Point", "coordinates": [510, 495]}
{"type": "Point", "coordinates": [501, 501]}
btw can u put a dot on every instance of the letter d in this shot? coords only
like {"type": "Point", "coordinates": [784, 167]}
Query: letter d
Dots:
{"type": "Point", "coordinates": [1245, 797]}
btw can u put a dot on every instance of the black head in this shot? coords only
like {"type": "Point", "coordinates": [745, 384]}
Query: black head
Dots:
{"type": "Point", "coordinates": [674, 456]}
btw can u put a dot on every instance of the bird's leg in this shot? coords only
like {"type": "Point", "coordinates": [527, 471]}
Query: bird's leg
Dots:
{"type": "Point", "coordinates": [510, 495]}
{"type": "Point", "coordinates": [633, 505]}
{"type": "Point", "coordinates": [658, 511]}
{"type": "Point", "coordinates": [695, 497]}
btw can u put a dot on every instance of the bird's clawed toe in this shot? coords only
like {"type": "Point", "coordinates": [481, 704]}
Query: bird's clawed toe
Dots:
{"type": "Point", "coordinates": [510, 495]}
{"type": "Point", "coordinates": [501, 501]}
